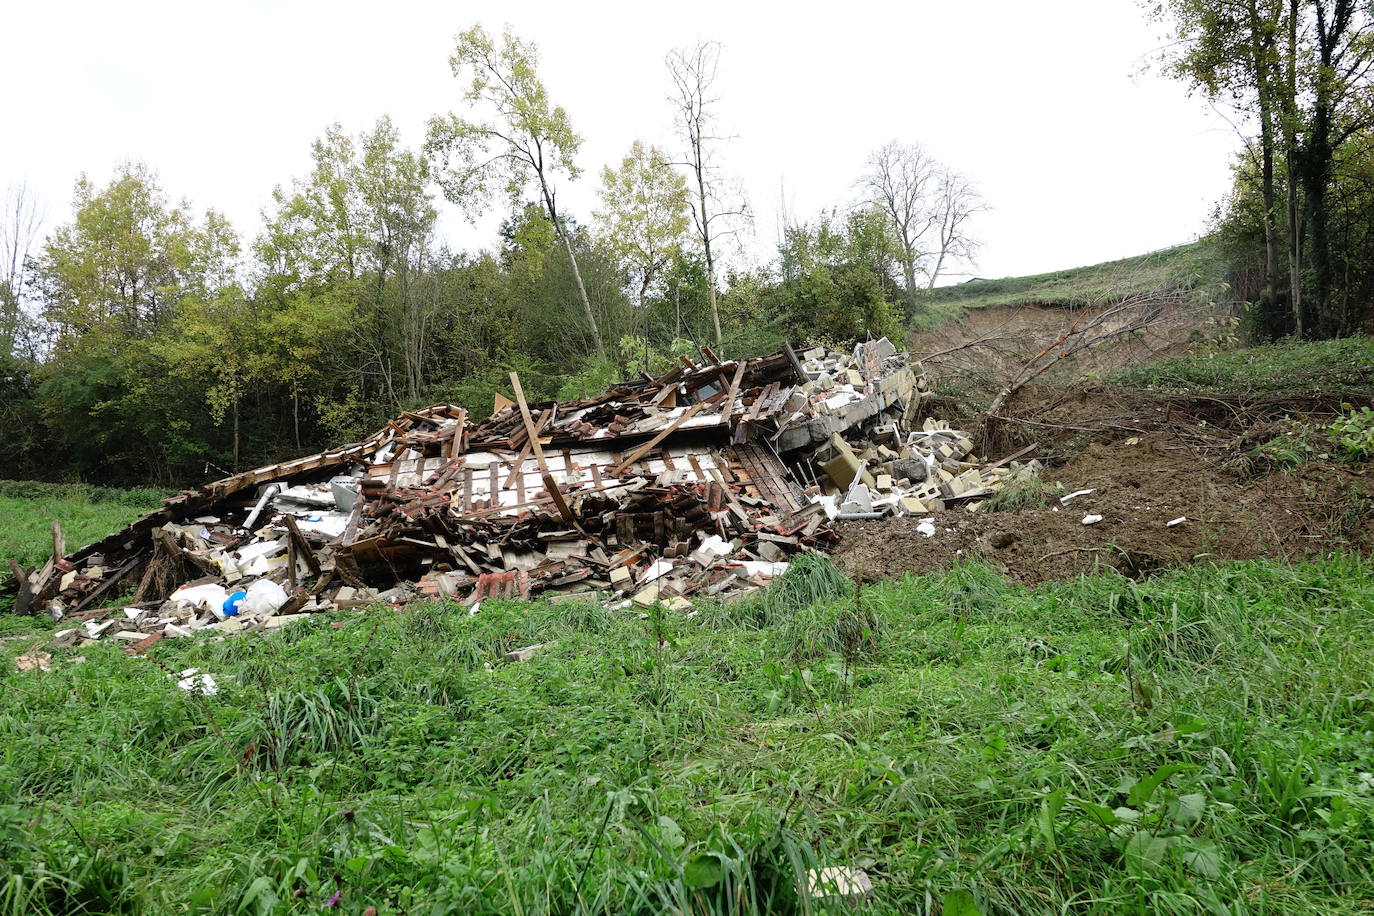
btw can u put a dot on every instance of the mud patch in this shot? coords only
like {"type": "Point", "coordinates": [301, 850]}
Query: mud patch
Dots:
{"type": "Point", "coordinates": [1139, 487]}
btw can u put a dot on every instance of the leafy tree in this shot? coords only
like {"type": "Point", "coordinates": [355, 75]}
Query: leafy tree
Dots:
{"type": "Point", "coordinates": [541, 281]}
{"type": "Point", "coordinates": [1342, 84]}
{"type": "Point", "coordinates": [835, 275]}
{"type": "Point", "coordinates": [1301, 71]}
{"type": "Point", "coordinates": [214, 339]}
{"type": "Point", "coordinates": [111, 282]}
{"type": "Point", "coordinates": [120, 266]}
{"type": "Point", "coordinates": [1231, 50]}
{"type": "Point", "coordinates": [524, 138]}
{"type": "Point", "coordinates": [644, 214]}
{"type": "Point", "coordinates": [356, 235]}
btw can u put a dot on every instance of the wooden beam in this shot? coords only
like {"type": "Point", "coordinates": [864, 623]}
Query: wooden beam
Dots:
{"type": "Point", "coordinates": [1012, 457]}
{"type": "Point", "coordinates": [648, 446]}
{"type": "Point", "coordinates": [533, 433]}
{"type": "Point", "coordinates": [303, 548]}
{"type": "Point", "coordinates": [525, 451]}
{"type": "Point", "coordinates": [729, 407]}
{"type": "Point", "coordinates": [23, 600]}
{"type": "Point", "coordinates": [110, 580]}
{"type": "Point", "coordinates": [796, 363]}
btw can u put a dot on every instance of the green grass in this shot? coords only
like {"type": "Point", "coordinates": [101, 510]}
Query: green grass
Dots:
{"type": "Point", "coordinates": [1199, 742]}
{"type": "Point", "coordinates": [86, 514]}
{"type": "Point", "coordinates": [1193, 266]}
{"type": "Point", "coordinates": [1340, 367]}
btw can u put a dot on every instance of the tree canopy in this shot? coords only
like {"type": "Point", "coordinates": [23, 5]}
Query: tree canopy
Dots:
{"type": "Point", "coordinates": [147, 341]}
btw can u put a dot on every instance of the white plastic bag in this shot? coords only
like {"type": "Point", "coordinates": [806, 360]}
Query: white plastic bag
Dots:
{"type": "Point", "coordinates": [263, 598]}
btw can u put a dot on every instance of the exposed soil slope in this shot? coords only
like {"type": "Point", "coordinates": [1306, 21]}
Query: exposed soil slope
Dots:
{"type": "Point", "coordinates": [1149, 461]}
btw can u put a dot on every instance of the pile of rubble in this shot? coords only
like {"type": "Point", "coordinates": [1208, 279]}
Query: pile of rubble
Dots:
{"type": "Point", "coordinates": [699, 482]}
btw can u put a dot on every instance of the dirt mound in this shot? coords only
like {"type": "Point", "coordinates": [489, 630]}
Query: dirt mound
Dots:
{"type": "Point", "coordinates": [1141, 482]}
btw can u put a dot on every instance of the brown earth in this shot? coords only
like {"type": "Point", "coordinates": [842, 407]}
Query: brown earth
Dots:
{"type": "Point", "coordinates": [993, 341]}
{"type": "Point", "coordinates": [1148, 460]}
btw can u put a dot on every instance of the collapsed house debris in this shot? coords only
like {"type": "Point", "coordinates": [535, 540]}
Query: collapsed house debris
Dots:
{"type": "Point", "coordinates": [702, 481]}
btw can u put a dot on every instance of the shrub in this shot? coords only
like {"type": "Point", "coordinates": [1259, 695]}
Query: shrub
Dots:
{"type": "Point", "coordinates": [1354, 432]}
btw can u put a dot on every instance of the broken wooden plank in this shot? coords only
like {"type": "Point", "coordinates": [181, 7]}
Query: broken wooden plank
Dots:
{"type": "Point", "coordinates": [648, 446]}
{"type": "Point", "coordinates": [533, 433]}
{"type": "Point", "coordinates": [728, 408]}
{"type": "Point", "coordinates": [303, 548]}
{"type": "Point", "coordinates": [23, 601]}
{"type": "Point", "coordinates": [111, 579]}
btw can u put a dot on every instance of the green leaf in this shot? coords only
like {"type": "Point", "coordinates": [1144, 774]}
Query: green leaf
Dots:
{"type": "Point", "coordinates": [204, 897]}
{"type": "Point", "coordinates": [1188, 808]}
{"type": "Point", "coordinates": [1049, 810]}
{"type": "Point", "coordinates": [1099, 814]}
{"type": "Point", "coordinates": [259, 896]}
{"type": "Point", "coordinates": [1203, 857]}
{"type": "Point", "coordinates": [706, 870]}
{"type": "Point", "coordinates": [1143, 791]}
{"type": "Point", "coordinates": [1144, 851]}
{"type": "Point", "coordinates": [669, 832]}
{"type": "Point", "coordinates": [960, 903]}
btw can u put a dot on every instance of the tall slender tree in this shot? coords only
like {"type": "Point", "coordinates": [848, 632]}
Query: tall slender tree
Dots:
{"type": "Point", "coordinates": [717, 209]}
{"type": "Point", "coordinates": [956, 201]}
{"type": "Point", "coordinates": [523, 137]}
{"type": "Point", "coordinates": [1342, 82]}
{"type": "Point", "coordinates": [1301, 73]}
{"type": "Point", "coordinates": [20, 222]}
{"type": "Point", "coordinates": [900, 180]}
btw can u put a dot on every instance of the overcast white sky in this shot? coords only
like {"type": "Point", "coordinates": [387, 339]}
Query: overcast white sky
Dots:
{"type": "Point", "coordinates": [1044, 105]}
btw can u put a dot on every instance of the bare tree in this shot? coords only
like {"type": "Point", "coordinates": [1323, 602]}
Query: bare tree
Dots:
{"type": "Point", "coordinates": [956, 201]}
{"type": "Point", "coordinates": [20, 223]}
{"type": "Point", "coordinates": [716, 210]}
{"type": "Point", "coordinates": [901, 179]}
{"type": "Point", "coordinates": [929, 207]}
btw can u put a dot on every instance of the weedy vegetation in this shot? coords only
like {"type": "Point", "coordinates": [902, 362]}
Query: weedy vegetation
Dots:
{"type": "Point", "coordinates": [1348, 439]}
{"type": "Point", "coordinates": [1025, 492]}
{"type": "Point", "coordinates": [1287, 368]}
{"type": "Point", "coordinates": [1196, 742]}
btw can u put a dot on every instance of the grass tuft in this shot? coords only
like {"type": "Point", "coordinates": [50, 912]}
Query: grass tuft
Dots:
{"type": "Point", "coordinates": [1027, 491]}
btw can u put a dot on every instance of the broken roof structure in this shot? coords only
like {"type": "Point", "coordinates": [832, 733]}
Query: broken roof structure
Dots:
{"type": "Point", "coordinates": [700, 481]}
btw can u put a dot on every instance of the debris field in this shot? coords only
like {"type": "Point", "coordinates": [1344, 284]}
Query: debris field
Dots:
{"type": "Point", "coordinates": [702, 481]}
